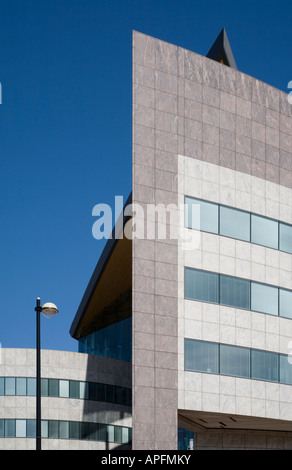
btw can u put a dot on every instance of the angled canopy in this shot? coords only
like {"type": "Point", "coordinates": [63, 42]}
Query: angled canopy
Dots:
{"type": "Point", "coordinates": [221, 50]}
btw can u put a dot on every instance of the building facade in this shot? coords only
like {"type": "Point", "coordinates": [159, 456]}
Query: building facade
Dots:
{"type": "Point", "coordinates": [185, 327]}
{"type": "Point", "coordinates": [212, 324]}
{"type": "Point", "coordinates": [86, 401]}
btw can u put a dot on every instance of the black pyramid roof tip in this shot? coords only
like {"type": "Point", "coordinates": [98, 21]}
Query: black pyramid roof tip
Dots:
{"type": "Point", "coordinates": [221, 50]}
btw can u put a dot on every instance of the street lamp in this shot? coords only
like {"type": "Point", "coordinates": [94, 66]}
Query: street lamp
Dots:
{"type": "Point", "coordinates": [49, 310]}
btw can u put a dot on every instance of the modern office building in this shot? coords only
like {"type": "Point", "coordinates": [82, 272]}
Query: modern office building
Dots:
{"type": "Point", "coordinates": [86, 401]}
{"type": "Point", "coordinates": [193, 312]}
{"type": "Point", "coordinates": [210, 315]}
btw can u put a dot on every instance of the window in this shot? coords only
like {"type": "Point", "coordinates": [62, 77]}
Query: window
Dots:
{"type": "Point", "coordinates": [2, 427]}
{"type": "Point", "coordinates": [285, 234]}
{"type": "Point", "coordinates": [21, 386]}
{"type": "Point", "coordinates": [264, 365]}
{"type": "Point", "coordinates": [64, 429]}
{"type": "Point", "coordinates": [93, 391]}
{"type": "Point", "coordinates": [53, 388]}
{"type": "Point", "coordinates": [45, 429]}
{"type": "Point", "coordinates": [234, 360]}
{"type": "Point", "coordinates": [201, 215]}
{"type": "Point", "coordinates": [10, 427]}
{"type": "Point", "coordinates": [45, 387]}
{"type": "Point", "coordinates": [20, 428]}
{"type": "Point", "coordinates": [234, 223]}
{"type": "Point", "coordinates": [285, 370]}
{"type": "Point", "coordinates": [9, 386]}
{"type": "Point", "coordinates": [237, 361]}
{"type": "Point", "coordinates": [31, 387]}
{"type": "Point", "coordinates": [73, 389]}
{"type": "Point", "coordinates": [234, 292]}
{"type": "Point", "coordinates": [53, 429]}
{"type": "Point", "coordinates": [64, 388]}
{"type": "Point", "coordinates": [264, 298]}
{"type": "Point", "coordinates": [125, 435]}
{"type": "Point", "coordinates": [74, 431]}
{"type": "Point", "coordinates": [285, 303]}
{"type": "Point", "coordinates": [118, 434]}
{"type": "Point", "coordinates": [201, 356]}
{"type": "Point", "coordinates": [111, 341]}
{"type": "Point", "coordinates": [264, 231]}
{"type": "Point", "coordinates": [201, 285]}
{"type": "Point", "coordinates": [31, 428]}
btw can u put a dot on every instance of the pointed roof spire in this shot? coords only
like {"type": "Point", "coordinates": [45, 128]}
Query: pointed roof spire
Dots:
{"type": "Point", "coordinates": [221, 50]}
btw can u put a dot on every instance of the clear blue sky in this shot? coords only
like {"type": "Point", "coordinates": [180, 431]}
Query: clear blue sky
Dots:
{"type": "Point", "coordinates": [65, 130]}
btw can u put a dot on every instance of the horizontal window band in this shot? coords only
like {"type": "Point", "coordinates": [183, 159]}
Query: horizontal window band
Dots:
{"type": "Point", "coordinates": [77, 430]}
{"type": "Point", "coordinates": [237, 361]}
{"type": "Point", "coordinates": [238, 224]}
{"type": "Point", "coordinates": [230, 291]}
{"type": "Point", "coordinates": [62, 388]}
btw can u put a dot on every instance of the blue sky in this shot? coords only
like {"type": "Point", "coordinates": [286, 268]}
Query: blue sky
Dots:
{"type": "Point", "coordinates": [65, 130]}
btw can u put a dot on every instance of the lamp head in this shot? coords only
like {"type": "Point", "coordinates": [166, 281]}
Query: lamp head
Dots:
{"type": "Point", "coordinates": [49, 310]}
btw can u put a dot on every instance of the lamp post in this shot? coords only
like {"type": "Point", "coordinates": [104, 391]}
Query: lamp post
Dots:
{"type": "Point", "coordinates": [49, 310]}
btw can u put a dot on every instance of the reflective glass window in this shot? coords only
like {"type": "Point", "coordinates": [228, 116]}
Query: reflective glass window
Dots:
{"type": "Point", "coordinates": [10, 386]}
{"type": "Point", "coordinates": [118, 434]}
{"type": "Point", "coordinates": [264, 298]}
{"type": "Point", "coordinates": [102, 432]}
{"type": "Point", "coordinates": [201, 215]}
{"type": "Point", "coordinates": [21, 386]}
{"type": "Point", "coordinates": [201, 356]}
{"type": "Point", "coordinates": [234, 292]}
{"type": "Point", "coordinates": [20, 428]}
{"type": "Point", "coordinates": [63, 429]}
{"type": "Point", "coordinates": [53, 387]}
{"type": "Point", "coordinates": [63, 388]}
{"type": "Point", "coordinates": [285, 369]}
{"type": "Point", "coordinates": [45, 428]}
{"type": "Point", "coordinates": [2, 427]}
{"type": "Point", "coordinates": [234, 360]}
{"type": "Point", "coordinates": [45, 387]}
{"type": "Point", "coordinates": [264, 231]}
{"type": "Point", "coordinates": [110, 433]}
{"type": "Point", "coordinates": [285, 303]}
{"type": "Point", "coordinates": [10, 427]}
{"type": "Point", "coordinates": [74, 389]}
{"type": "Point", "coordinates": [200, 285]}
{"type": "Point", "coordinates": [234, 223]}
{"type": "Point", "coordinates": [31, 386]}
{"type": "Point", "coordinates": [53, 429]}
{"type": "Point", "coordinates": [119, 395]}
{"type": "Point", "coordinates": [31, 428]}
{"type": "Point", "coordinates": [1, 385]}
{"type": "Point", "coordinates": [84, 430]}
{"type": "Point", "coordinates": [285, 233]}
{"type": "Point", "coordinates": [93, 391]}
{"type": "Point", "coordinates": [93, 431]}
{"type": "Point", "coordinates": [74, 430]}
{"type": "Point", "coordinates": [125, 435]}
{"type": "Point", "coordinates": [84, 390]}
{"type": "Point", "coordinates": [264, 365]}
{"type": "Point", "coordinates": [102, 389]}
{"type": "Point", "coordinates": [110, 393]}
